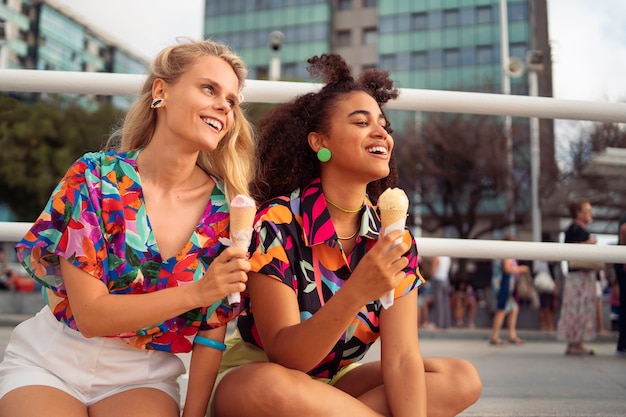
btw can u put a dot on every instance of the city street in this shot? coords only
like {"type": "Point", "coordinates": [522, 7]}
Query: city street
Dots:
{"type": "Point", "coordinates": [534, 379]}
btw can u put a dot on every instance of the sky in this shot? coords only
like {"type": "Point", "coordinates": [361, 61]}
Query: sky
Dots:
{"type": "Point", "coordinates": [588, 37]}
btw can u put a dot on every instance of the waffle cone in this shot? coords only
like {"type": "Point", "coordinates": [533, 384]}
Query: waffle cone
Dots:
{"type": "Point", "coordinates": [389, 217]}
{"type": "Point", "coordinates": [241, 218]}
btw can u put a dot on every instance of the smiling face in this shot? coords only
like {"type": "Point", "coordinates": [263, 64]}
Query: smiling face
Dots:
{"type": "Point", "coordinates": [357, 139]}
{"type": "Point", "coordinates": [198, 106]}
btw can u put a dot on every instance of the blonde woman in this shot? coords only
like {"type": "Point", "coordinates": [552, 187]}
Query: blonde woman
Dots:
{"type": "Point", "coordinates": [127, 249]}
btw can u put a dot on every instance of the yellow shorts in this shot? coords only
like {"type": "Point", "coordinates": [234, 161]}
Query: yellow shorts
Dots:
{"type": "Point", "coordinates": [239, 353]}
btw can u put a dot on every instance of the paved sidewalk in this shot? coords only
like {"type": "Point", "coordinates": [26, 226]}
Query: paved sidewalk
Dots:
{"type": "Point", "coordinates": [534, 379]}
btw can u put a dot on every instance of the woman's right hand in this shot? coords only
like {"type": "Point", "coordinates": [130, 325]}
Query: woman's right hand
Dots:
{"type": "Point", "coordinates": [381, 269]}
{"type": "Point", "coordinates": [226, 274]}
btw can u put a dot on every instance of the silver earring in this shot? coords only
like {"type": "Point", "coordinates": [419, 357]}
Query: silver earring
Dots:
{"type": "Point", "coordinates": [156, 103]}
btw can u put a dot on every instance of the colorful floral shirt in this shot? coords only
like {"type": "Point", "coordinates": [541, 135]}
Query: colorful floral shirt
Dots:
{"type": "Point", "coordinates": [296, 243]}
{"type": "Point", "coordinates": [96, 218]}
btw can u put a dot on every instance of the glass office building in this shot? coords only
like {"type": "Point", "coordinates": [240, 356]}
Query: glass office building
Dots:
{"type": "Point", "coordinates": [38, 34]}
{"type": "Point", "coordinates": [435, 44]}
{"type": "Point", "coordinates": [246, 27]}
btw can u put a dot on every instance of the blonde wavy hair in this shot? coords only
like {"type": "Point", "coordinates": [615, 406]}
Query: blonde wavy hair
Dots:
{"type": "Point", "coordinates": [232, 160]}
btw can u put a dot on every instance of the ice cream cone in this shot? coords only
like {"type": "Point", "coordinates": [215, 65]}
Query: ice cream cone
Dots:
{"type": "Point", "coordinates": [389, 217]}
{"type": "Point", "coordinates": [242, 212]}
{"type": "Point", "coordinates": [393, 205]}
{"type": "Point", "coordinates": [241, 222]}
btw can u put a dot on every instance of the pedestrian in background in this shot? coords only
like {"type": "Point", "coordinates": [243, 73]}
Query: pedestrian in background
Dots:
{"type": "Point", "coordinates": [440, 282]}
{"type": "Point", "coordinates": [620, 272]}
{"type": "Point", "coordinates": [545, 286]}
{"type": "Point", "coordinates": [6, 275]}
{"type": "Point", "coordinates": [425, 294]}
{"type": "Point", "coordinates": [505, 275]}
{"type": "Point", "coordinates": [463, 303]}
{"type": "Point", "coordinates": [577, 322]}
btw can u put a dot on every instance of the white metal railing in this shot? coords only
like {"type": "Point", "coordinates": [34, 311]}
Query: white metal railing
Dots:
{"type": "Point", "coordinates": [277, 91]}
{"type": "Point", "coordinates": [457, 248]}
{"type": "Point", "coordinates": [410, 99]}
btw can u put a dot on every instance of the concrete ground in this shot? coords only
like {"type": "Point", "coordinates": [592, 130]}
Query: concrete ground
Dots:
{"type": "Point", "coordinates": [534, 379]}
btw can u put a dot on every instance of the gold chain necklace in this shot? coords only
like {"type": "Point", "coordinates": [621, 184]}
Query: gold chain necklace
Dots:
{"type": "Point", "coordinates": [349, 237]}
{"type": "Point", "coordinates": [343, 209]}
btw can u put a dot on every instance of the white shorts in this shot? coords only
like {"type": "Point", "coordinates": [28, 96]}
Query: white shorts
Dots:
{"type": "Point", "coordinates": [44, 351]}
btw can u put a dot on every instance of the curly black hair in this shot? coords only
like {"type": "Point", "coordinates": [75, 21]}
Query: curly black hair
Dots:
{"type": "Point", "coordinates": [284, 159]}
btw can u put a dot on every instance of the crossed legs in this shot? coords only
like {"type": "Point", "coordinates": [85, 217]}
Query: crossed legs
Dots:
{"type": "Point", "coordinates": [268, 389]}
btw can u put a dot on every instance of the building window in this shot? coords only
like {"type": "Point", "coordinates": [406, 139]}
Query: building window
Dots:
{"type": "Point", "coordinates": [388, 62]}
{"type": "Point", "coordinates": [518, 49]}
{"type": "Point", "coordinates": [517, 12]}
{"type": "Point", "coordinates": [370, 3]}
{"type": "Point", "coordinates": [435, 58]}
{"type": "Point", "coordinates": [418, 21]}
{"type": "Point", "coordinates": [451, 57]}
{"type": "Point", "coordinates": [419, 60]}
{"type": "Point", "coordinates": [467, 56]}
{"type": "Point", "coordinates": [370, 36]}
{"type": "Point", "coordinates": [386, 24]}
{"type": "Point", "coordinates": [451, 18]}
{"type": "Point", "coordinates": [259, 4]}
{"type": "Point", "coordinates": [466, 16]}
{"type": "Point", "coordinates": [484, 54]}
{"type": "Point", "coordinates": [344, 38]}
{"type": "Point", "coordinates": [368, 67]}
{"type": "Point", "coordinates": [262, 73]}
{"type": "Point", "coordinates": [344, 4]}
{"type": "Point", "coordinates": [289, 71]}
{"type": "Point", "coordinates": [484, 14]}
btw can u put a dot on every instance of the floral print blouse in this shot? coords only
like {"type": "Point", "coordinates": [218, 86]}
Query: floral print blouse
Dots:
{"type": "Point", "coordinates": [295, 242]}
{"type": "Point", "coordinates": [96, 218]}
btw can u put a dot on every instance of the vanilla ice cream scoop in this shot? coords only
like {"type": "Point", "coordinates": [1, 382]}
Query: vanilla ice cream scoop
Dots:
{"type": "Point", "coordinates": [394, 206]}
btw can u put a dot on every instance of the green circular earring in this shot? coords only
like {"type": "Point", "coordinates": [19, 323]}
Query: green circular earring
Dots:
{"type": "Point", "coordinates": [324, 155]}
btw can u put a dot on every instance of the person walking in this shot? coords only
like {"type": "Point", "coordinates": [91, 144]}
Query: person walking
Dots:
{"type": "Point", "coordinates": [505, 275]}
{"type": "Point", "coordinates": [577, 322]}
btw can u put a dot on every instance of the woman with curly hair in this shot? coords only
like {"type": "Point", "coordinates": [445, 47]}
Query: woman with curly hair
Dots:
{"type": "Point", "coordinates": [319, 267]}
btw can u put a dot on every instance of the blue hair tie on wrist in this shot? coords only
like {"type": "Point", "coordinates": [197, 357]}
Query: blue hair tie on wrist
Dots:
{"type": "Point", "coordinates": [205, 341]}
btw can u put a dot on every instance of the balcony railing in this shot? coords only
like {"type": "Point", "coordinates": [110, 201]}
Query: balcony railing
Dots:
{"type": "Point", "coordinates": [410, 99]}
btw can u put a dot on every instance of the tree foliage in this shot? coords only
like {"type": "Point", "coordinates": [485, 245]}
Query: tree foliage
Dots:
{"type": "Point", "coordinates": [458, 166]}
{"type": "Point", "coordinates": [580, 178]}
{"type": "Point", "coordinates": [38, 143]}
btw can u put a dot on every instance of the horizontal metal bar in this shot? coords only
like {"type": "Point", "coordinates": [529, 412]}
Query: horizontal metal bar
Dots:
{"type": "Point", "coordinates": [499, 249]}
{"type": "Point", "coordinates": [457, 248]}
{"type": "Point", "coordinates": [261, 91]}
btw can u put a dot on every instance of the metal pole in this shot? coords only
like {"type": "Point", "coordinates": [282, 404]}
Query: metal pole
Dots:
{"type": "Point", "coordinates": [275, 45]}
{"type": "Point", "coordinates": [274, 73]}
{"type": "Point", "coordinates": [506, 89]}
{"type": "Point", "coordinates": [535, 161]}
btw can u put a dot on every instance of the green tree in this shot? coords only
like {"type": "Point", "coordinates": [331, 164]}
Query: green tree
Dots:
{"type": "Point", "coordinates": [458, 167]}
{"type": "Point", "coordinates": [38, 143]}
{"type": "Point", "coordinates": [582, 178]}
